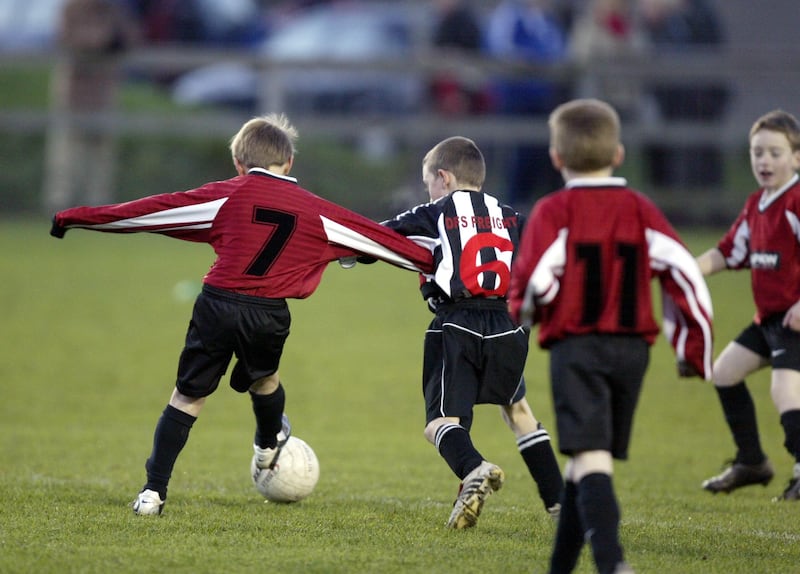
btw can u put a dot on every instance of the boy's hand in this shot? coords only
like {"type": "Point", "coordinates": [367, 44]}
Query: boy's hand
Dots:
{"type": "Point", "coordinates": [685, 370]}
{"type": "Point", "coordinates": [350, 261]}
{"type": "Point", "coordinates": [56, 230]}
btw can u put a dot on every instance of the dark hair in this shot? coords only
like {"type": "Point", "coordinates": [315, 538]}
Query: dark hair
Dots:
{"type": "Point", "coordinates": [460, 156]}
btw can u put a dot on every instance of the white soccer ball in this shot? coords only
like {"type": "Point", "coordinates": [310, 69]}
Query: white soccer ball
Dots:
{"type": "Point", "coordinates": [294, 476]}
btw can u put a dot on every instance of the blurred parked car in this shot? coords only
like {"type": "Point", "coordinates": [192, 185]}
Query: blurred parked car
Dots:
{"type": "Point", "coordinates": [347, 33]}
{"type": "Point", "coordinates": [208, 22]}
{"type": "Point", "coordinates": [29, 26]}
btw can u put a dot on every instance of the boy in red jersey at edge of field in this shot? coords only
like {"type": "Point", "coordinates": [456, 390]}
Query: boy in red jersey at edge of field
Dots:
{"type": "Point", "coordinates": [764, 238]}
{"type": "Point", "coordinates": [273, 241]}
{"type": "Point", "coordinates": [583, 273]}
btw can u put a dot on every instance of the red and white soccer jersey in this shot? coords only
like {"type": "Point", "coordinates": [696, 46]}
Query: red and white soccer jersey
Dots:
{"type": "Point", "coordinates": [585, 263]}
{"type": "Point", "coordinates": [765, 238]}
{"type": "Point", "coordinates": [272, 238]}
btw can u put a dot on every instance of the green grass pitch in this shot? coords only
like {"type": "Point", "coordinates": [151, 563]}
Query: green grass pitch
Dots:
{"type": "Point", "coordinates": [91, 330]}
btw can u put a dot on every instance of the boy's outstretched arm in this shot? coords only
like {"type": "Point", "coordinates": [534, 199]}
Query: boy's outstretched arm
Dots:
{"type": "Point", "coordinates": [686, 302]}
{"type": "Point", "coordinates": [711, 262]}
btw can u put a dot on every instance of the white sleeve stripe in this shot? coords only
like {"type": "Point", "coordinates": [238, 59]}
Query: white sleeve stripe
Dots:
{"type": "Point", "coordinates": [124, 224]}
{"type": "Point", "coordinates": [543, 284]}
{"type": "Point", "coordinates": [794, 222]}
{"type": "Point", "coordinates": [666, 252]}
{"type": "Point", "coordinates": [694, 305]}
{"type": "Point", "coordinates": [741, 239]}
{"type": "Point", "coordinates": [341, 235]}
{"type": "Point", "coordinates": [196, 216]}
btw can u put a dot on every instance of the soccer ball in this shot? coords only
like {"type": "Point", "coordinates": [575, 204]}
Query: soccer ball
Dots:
{"type": "Point", "coordinates": [294, 476]}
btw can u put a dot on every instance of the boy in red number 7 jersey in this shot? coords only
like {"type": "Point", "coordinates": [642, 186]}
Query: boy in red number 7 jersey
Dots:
{"type": "Point", "coordinates": [273, 241]}
{"type": "Point", "coordinates": [583, 272]}
{"type": "Point", "coordinates": [473, 352]}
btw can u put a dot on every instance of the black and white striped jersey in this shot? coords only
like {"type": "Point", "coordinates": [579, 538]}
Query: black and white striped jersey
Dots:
{"type": "Point", "coordinates": [473, 238]}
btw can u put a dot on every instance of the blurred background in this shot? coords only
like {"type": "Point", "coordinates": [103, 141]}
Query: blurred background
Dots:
{"type": "Point", "coordinates": [108, 100]}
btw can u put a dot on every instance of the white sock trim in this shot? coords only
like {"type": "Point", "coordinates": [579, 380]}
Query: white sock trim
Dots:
{"type": "Point", "coordinates": [443, 430]}
{"type": "Point", "coordinates": [532, 439]}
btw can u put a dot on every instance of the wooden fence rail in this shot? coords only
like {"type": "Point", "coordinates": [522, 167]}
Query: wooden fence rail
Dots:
{"type": "Point", "coordinates": [758, 77]}
{"type": "Point", "coordinates": [698, 67]}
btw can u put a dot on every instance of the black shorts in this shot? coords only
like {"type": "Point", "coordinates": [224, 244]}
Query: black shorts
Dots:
{"type": "Point", "coordinates": [596, 381]}
{"type": "Point", "coordinates": [474, 354]}
{"type": "Point", "coordinates": [777, 344]}
{"type": "Point", "coordinates": [223, 324]}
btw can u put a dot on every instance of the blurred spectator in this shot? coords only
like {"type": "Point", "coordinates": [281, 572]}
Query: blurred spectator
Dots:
{"type": "Point", "coordinates": [168, 21]}
{"type": "Point", "coordinates": [211, 22]}
{"type": "Point", "coordinates": [681, 25]}
{"type": "Point", "coordinates": [529, 31]}
{"type": "Point", "coordinates": [457, 26]}
{"type": "Point", "coordinates": [607, 30]}
{"type": "Point", "coordinates": [457, 30]}
{"type": "Point", "coordinates": [93, 35]}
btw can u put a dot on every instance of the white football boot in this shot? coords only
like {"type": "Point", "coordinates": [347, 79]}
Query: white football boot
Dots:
{"type": "Point", "coordinates": [148, 502]}
{"type": "Point", "coordinates": [473, 492]}
{"type": "Point", "coordinates": [267, 457]}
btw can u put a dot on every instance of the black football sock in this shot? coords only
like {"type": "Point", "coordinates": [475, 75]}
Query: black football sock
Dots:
{"type": "Point", "coordinates": [740, 414]}
{"type": "Point", "coordinates": [600, 518]}
{"type": "Point", "coordinates": [269, 416]}
{"type": "Point", "coordinates": [171, 434]}
{"type": "Point", "coordinates": [537, 452]}
{"type": "Point", "coordinates": [790, 421]}
{"type": "Point", "coordinates": [569, 533]}
{"type": "Point", "coordinates": [455, 446]}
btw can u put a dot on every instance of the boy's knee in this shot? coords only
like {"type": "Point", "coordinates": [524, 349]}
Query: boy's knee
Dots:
{"type": "Point", "coordinates": [519, 417]}
{"type": "Point", "coordinates": [266, 385]}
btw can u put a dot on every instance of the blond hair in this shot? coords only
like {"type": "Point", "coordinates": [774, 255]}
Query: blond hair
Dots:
{"type": "Point", "coordinates": [264, 141]}
{"type": "Point", "coordinates": [781, 122]}
{"type": "Point", "coordinates": [460, 156]}
{"type": "Point", "coordinates": [586, 134]}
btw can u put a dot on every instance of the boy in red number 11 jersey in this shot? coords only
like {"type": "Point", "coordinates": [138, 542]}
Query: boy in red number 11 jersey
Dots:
{"type": "Point", "coordinates": [583, 273]}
